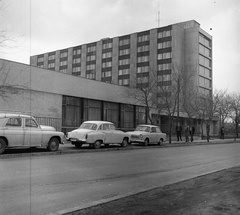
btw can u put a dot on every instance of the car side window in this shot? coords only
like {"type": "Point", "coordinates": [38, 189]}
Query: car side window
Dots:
{"type": "Point", "coordinates": [17, 122]}
{"type": "Point", "coordinates": [112, 127]}
{"type": "Point", "coordinates": [100, 127]}
{"type": "Point", "coordinates": [153, 130]}
{"type": "Point", "coordinates": [105, 126]}
{"type": "Point", "coordinates": [158, 130]}
{"type": "Point", "coordinates": [147, 129]}
{"type": "Point", "coordinates": [30, 123]}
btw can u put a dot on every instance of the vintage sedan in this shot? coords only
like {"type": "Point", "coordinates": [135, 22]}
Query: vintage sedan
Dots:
{"type": "Point", "coordinates": [97, 133]}
{"type": "Point", "coordinates": [146, 134]}
{"type": "Point", "coordinates": [19, 130]}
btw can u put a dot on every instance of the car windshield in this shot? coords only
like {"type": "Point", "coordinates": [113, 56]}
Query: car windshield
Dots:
{"type": "Point", "coordinates": [91, 126]}
{"type": "Point", "coordinates": [142, 128]}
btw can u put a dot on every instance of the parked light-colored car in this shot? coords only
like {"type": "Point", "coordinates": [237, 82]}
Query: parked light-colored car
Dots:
{"type": "Point", "coordinates": [18, 130]}
{"type": "Point", "coordinates": [146, 134]}
{"type": "Point", "coordinates": [96, 133]}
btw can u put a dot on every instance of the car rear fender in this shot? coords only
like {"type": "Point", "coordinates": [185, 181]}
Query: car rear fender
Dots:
{"type": "Point", "coordinates": [94, 136]}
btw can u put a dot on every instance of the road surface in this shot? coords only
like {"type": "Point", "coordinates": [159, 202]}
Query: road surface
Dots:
{"type": "Point", "coordinates": [43, 185]}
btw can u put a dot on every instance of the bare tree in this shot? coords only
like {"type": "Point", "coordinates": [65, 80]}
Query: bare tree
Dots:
{"type": "Point", "coordinates": [168, 96]}
{"type": "Point", "coordinates": [8, 83]}
{"type": "Point", "coordinates": [144, 92]}
{"type": "Point", "coordinates": [190, 92]}
{"type": "Point", "coordinates": [224, 106]}
{"type": "Point", "coordinates": [235, 113]}
{"type": "Point", "coordinates": [208, 111]}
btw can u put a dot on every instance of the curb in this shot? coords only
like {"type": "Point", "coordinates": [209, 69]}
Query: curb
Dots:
{"type": "Point", "coordinates": [129, 147]}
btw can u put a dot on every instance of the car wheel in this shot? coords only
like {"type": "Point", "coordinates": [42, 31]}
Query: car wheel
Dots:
{"type": "Point", "coordinates": [160, 142]}
{"type": "Point", "coordinates": [146, 142]}
{"type": "Point", "coordinates": [97, 144]}
{"type": "Point", "coordinates": [78, 145]}
{"type": "Point", "coordinates": [53, 144]}
{"type": "Point", "coordinates": [124, 142]}
{"type": "Point", "coordinates": [3, 145]}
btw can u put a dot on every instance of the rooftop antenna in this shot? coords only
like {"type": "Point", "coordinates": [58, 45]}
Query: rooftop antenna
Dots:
{"type": "Point", "coordinates": [158, 19]}
{"type": "Point", "coordinates": [158, 14]}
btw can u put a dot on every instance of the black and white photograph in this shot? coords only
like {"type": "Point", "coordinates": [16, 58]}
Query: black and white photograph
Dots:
{"type": "Point", "coordinates": [119, 107]}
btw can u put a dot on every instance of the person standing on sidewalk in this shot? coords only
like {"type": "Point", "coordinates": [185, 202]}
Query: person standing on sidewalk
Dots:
{"type": "Point", "coordinates": [187, 133]}
{"type": "Point", "coordinates": [192, 131]}
{"type": "Point", "coordinates": [222, 133]}
{"type": "Point", "coordinates": [179, 132]}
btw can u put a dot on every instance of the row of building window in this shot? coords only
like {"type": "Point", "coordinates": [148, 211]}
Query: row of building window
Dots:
{"type": "Point", "coordinates": [77, 110]}
{"type": "Point", "coordinates": [205, 51]}
{"type": "Point", "coordinates": [204, 82]}
{"type": "Point", "coordinates": [93, 48]}
{"type": "Point", "coordinates": [205, 61]}
{"type": "Point", "coordinates": [145, 58]}
{"type": "Point", "coordinates": [204, 40]}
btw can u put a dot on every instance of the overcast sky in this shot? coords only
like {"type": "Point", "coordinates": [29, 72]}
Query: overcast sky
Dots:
{"type": "Point", "coordinates": [39, 26]}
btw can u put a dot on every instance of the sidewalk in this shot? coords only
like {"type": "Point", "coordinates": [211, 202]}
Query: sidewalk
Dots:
{"type": "Point", "coordinates": [213, 194]}
{"type": "Point", "coordinates": [197, 140]}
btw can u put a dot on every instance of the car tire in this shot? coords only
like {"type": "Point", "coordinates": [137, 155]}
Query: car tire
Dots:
{"type": "Point", "coordinates": [160, 142]}
{"type": "Point", "coordinates": [124, 142]}
{"type": "Point", "coordinates": [78, 145]}
{"type": "Point", "coordinates": [53, 144]}
{"type": "Point", "coordinates": [3, 145]}
{"type": "Point", "coordinates": [97, 144]}
{"type": "Point", "coordinates": [146, 142]}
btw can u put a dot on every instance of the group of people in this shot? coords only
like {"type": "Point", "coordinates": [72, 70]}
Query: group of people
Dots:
{"type": "Point", "coordinates": [188, 131]}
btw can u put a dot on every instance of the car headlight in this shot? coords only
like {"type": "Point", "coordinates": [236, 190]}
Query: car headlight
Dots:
{"type": "Point", "coordinates": [141, 136]}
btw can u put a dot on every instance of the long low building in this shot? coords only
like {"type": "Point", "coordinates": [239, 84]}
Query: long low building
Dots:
{"type": "Point", "coordinates": [65, 101]}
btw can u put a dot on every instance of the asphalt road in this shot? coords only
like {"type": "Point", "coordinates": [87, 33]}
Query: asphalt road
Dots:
{"type": "Point", "coordinates": [65, 182]}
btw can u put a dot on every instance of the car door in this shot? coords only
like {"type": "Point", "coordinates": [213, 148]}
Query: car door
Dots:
{"type": "Point", "coordinates": [153, 135]}
{"type": "Point", "coordinates": [117, 136]}
{"type": "Point", "coordinates": [108, 133]}
{"type": "Point", "coordinates": [159, 134]}
{"type": "Point", "coordinates": [14, 132]}
{"type": "Point", "coordinates": [33, 133]}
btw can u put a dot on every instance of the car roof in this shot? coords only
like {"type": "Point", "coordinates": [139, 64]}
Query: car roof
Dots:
{"type": "Point", "coordinates": [7, 115]}
{"type": "Point", "coordinates": [98, 122]}
{"type": "Point", "coordinates": [149, 125]}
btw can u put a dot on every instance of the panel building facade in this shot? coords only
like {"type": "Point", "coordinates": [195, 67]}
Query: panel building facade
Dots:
{"type": "Point", "coordinates": [121, 59]}
{"type": "Point", "coordinates": [127, 60]}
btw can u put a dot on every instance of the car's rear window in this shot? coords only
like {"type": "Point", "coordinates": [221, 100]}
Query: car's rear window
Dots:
{"type": "Point", "coordinates": [91, 126]}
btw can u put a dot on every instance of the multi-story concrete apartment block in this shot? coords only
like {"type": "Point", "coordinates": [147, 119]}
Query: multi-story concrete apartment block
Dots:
{"type": "Point", "coordinates": [122, 60]}
{"type": "Point", "coordinates": [135, 59]}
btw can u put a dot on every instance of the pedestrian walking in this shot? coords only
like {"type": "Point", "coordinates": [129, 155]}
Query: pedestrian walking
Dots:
{"type": "Point", "coordinates": [187, 133]}
{"type": "Point", "coordinates": [222, 133]}
{"type": "Point", "coordinates": [192, 132]}
{"type": "Point", "coordinates": [179, 132]}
